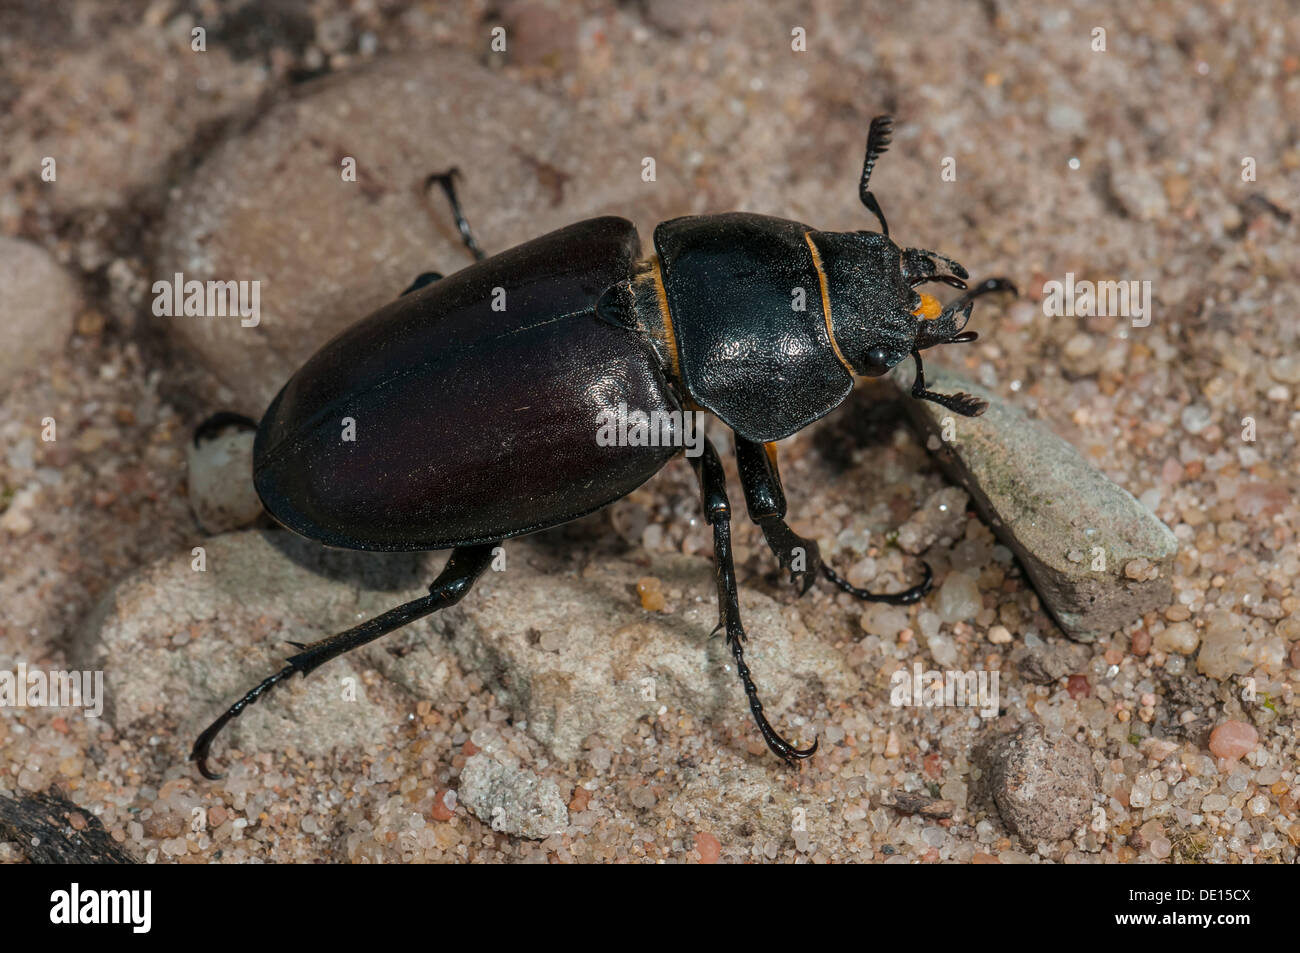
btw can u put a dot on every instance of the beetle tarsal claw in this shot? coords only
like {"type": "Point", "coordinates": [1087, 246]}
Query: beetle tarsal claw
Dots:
{"type": "Point", "coordinates": [782, 748]}
{"type": "Point", "coordinates": [202, 749]}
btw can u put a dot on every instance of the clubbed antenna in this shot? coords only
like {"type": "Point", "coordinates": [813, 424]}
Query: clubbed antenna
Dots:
{"type": "Point", "coordinates": [882, 127]}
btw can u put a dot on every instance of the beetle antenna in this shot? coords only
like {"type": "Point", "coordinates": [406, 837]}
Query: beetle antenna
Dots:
{"type": "Point", "coordinates": [965, 404]}
{"type": "Point", "coordinates": [878, 137]}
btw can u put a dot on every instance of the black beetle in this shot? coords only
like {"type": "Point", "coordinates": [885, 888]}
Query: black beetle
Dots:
{"type": "Point", "coordinates": [476, 397]}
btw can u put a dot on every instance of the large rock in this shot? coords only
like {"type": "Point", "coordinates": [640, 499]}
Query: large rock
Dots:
{"type": "Point", "coordinates": [38, 305]}
{"type": "Point", "coordinates": [573, 655]}
{"type": "Point", "coordinates": [1054, 510]}
{"type": "Point", "coordinates": [271, 205]}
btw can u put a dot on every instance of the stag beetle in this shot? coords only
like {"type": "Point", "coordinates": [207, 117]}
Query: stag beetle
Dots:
{"type": "Point", "coordinates": [477, 421]}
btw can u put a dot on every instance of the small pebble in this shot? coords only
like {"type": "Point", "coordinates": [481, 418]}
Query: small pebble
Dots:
{"type": "Point", "coordinates": [651, 591]}
{"type": "Point", "coordinates": [959, 598]}
{"type": "Point", "coordinates": [1195, 418]}
{"type": "Point", "coordinates": [1233, 740]}
{"type": "Point", "coordinates": [708, 847]}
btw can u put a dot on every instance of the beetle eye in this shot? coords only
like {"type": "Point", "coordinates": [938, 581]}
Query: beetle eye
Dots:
{"type": "Point", "coordinates": [876, 362]}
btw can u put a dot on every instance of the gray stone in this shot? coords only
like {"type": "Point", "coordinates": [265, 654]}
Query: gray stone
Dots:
{"type": "Point", "coordinates": [221, 482]}
{"type": "Point", "coordinates": [1043, 786]}
{"type": "Point", "coordinates": [1045, 502]}
{"type": "Point", "coordinates": [572, 654]}
{"type": "Point", "coordinates": [38, 305]}
{"type": "Point", "coordinates": [1046, 663]}
{"type": "Point", "coordinates": [271, 204]}
{"type": "Point", "coordinates": [512, 799]}
{"type": "Point", "coordinates": [178, 645]}
{"type": "Point", "coordinates": [577, 655]}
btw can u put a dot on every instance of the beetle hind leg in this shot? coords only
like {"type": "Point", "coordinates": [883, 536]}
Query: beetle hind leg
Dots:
{"type": "Point", "coordinates": [463, 568]}
{"type": "Point", "coordinates": [717, 509]}
{"type": "Point", "coordinates": [447, 182]}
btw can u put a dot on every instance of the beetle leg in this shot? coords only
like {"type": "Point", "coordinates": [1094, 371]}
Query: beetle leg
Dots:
{"type": "Point", "coordinates": [765, 501]}
{"type": "Point", "coordinates": [877, 142]}
{"type": "Point", "coordinates": [464, 566]}
{"type": "Point", "coordinates": [717, 510]}
{"type": "Point", "coordinates": [422, 280]}
{"type": "Point", "coordinates": [446, 180]}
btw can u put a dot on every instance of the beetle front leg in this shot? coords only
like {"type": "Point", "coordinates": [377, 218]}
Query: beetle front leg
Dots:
{"type": "Point", "coordinates": [765, 500]}
{"type": "Point", "coordinates": [717, 510]}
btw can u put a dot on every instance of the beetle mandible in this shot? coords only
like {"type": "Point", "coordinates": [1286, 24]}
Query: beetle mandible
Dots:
{"type": "Point", "coordinates": [705, 322]}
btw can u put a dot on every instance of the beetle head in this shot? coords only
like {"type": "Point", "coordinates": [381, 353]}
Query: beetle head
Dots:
{"type": "Point", "coordinates": [872, 319]}
{"type": "Point", "coordinates": [877, 317]}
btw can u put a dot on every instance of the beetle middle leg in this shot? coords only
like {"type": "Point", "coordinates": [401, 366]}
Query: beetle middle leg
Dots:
{"type": "Point", "coordinates": [463, 568]}
{"type": "Point", "coordinates": [766, 502]}
{"type": "Point", "coordinates": [717, 510]}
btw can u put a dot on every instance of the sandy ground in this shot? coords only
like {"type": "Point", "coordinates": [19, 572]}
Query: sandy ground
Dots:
{"type": "Point", "coordinates": [1169, 157]}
